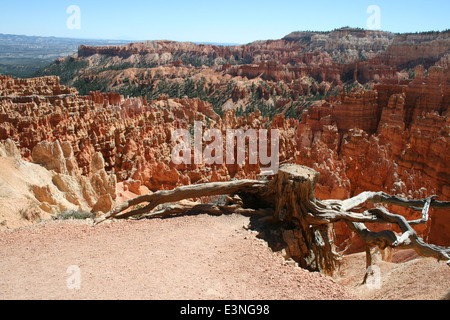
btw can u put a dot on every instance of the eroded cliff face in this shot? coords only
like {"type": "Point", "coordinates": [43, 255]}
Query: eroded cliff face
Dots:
{"type": "Point", "coordinates": [52, 186]}
{"type": "Point", "coordinates": [330, 57]}
{"type": "Point", "coordinates": [344, 45]}
{"type": "Point", "coordinates": [412, 49]}
{"type": "Point", "coordinates": [392, 138]}
{"type": "Point", "coordinates": [134, 137]}
{"type": "Point", "coordinates": [340, 101]}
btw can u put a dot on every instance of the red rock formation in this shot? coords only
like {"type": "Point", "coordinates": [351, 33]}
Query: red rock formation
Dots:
{"type": "Point", "coordinates": [427, 48]}
{"type": "Point", "coordinates": [54, 186]}
{"type": "Point", "coordinates": [357, 109]}
{"type": "Point", "coordinates": [392, 138]}
{"type": "Point", "coordinates": [44, 86]}
{"type": "Point", "coordinates": [110, 98]}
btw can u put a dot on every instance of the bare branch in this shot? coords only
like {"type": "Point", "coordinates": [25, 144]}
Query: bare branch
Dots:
{"type": "Point", "coordinates": [288, 200]}
{"type": "Point", "coordinates": [381, 197]}
{"type": "Point", "coordinates": [409, 238]}
{"type": "Point", "coordinates": [425, 210]}
{"type": "Point", "coordinates": [206, 209]}
{"type": "Point", "coordinates": [181, 193]}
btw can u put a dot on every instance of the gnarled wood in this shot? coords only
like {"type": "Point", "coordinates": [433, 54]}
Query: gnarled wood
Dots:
{"type": "Point", "coordinates": [288, 200]}
{"type": "Point", "coordinates": [181, 193]}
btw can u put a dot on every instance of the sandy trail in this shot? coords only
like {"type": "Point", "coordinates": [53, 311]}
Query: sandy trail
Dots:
{"type": "Point", "coordinates": [189, 257]}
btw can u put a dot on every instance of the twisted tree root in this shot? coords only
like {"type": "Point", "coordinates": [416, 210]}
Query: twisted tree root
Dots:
{"type": "Point", "coordinates": [288, 199]}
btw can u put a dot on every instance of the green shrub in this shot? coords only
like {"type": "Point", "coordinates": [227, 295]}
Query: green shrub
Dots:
{"type": "Point", "coordinates": [75, 215]}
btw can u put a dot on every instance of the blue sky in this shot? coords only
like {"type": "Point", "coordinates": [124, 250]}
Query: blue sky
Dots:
{"type": "Point", "coordinates": [228, 21]}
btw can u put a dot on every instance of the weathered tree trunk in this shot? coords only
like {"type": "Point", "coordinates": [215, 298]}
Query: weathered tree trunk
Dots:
{"type": "Point", "coordinates": [304, 231]}
{"type": "Point", "coordinates": [288, 200]}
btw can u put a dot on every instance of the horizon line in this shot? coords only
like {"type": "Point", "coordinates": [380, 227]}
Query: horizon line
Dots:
{"type": "Point", "coordinates": [222, 43]}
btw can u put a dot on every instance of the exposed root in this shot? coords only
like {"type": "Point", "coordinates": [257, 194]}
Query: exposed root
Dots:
{"type": "Point", "coordinates": [288, 200]}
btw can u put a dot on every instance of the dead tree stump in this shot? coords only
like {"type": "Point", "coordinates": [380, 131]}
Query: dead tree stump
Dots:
{"type": "Point", "coordinates": [295, 205]}
{"type": "Point", "coordinates": [288, 199]}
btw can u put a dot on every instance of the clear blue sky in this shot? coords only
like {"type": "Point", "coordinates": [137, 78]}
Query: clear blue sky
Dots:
{"type": "Point", "coordinates": [214, 21]}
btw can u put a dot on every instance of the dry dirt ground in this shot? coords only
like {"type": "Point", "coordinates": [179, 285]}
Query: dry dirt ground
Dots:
{"type": "Point", "coordinates": [189, 257]}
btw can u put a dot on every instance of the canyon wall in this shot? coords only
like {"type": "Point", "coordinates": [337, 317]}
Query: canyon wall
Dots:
{"type": "Point", "coordinates": [381, 139]}
{"type": "Point", "coordinates": [394, 138]}
{"type": "Point", "coordinates": [341, 101]}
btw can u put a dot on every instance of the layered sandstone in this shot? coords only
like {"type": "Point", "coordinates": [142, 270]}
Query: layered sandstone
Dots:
{"type": "Point", "coordinates": [393, 138]}
{"type": "Point", "coordinates": [390, 132]}
{"type": "Point", "coordinates": [334, 57]}
{"type": "Point", "coordinates": [367, 139]}
{"type": "Point", "coordinates": [134, 137]}
{"type": "Point", "coordinates": [30, 192]}
{"type": "Point", "coordinates": [425, 48]}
